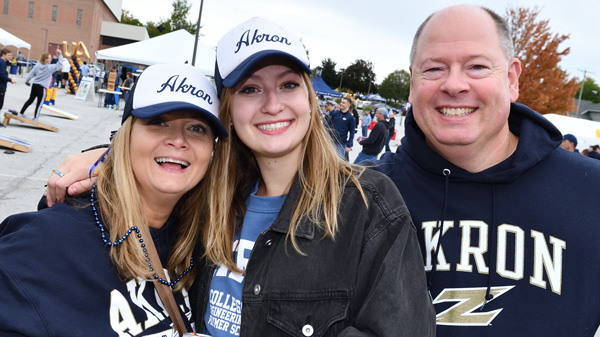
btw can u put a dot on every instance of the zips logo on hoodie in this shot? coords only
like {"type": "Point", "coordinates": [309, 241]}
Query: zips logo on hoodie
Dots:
{"type": "Point", "coordinates": [547, 261]}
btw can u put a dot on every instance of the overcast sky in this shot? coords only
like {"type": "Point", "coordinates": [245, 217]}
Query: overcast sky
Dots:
{"type": "Point", "coordinates": [379, 31]}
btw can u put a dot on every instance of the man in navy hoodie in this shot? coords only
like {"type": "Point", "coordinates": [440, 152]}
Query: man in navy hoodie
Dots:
{"type": "Point", "coordinates": [517, 254]}
{"type": "Point", "coordinates": [343, 126]}
{"type": "Point", "coordinates": [5, 55]}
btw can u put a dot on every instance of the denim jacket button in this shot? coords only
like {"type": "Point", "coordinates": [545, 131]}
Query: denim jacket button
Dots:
{"type": "Point", "coordinates": [308, 330]}
{"type": "Point", "coordinates": [268, 243]}
{"type": "Point", "coordinates": [257, 289]}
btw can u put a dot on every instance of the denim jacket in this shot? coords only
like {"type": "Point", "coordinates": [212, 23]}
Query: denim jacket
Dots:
{"type": "Point", "coordinates": [368, 281]}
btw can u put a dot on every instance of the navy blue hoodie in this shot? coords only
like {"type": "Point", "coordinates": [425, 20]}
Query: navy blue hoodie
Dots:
{"type": "Point", "coordinates": [57, 279]}
{"type": "Point", "coordinates": [523, 233]}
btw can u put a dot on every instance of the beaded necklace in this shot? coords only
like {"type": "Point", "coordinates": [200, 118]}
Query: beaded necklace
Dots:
{"type": "Point", "coordinates": [143, 245]}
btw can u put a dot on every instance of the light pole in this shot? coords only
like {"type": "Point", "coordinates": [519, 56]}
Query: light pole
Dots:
{"type": "Point", "coordinates": [341, 78]}
{"type": "Point", "coordinates": [45, 40]}
{"type": "Point", "coordinates": [581, 91]}
{"type": "Point", "coordinates": [197, 33]}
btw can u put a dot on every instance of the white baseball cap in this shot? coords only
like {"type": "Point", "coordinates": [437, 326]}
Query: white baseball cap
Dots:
{"type": "Point", "coordinates": [163, 88]}
{"type": "Point", "coordinates": [245, 45]}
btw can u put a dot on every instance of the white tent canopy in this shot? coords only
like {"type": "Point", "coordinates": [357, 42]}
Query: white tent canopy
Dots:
{"type": "Point", "coordinates": [7, 39]}
{"type": "Point", "coordinates": [584, 130]}
{"type": "Point", "coordinates": [174, 47]}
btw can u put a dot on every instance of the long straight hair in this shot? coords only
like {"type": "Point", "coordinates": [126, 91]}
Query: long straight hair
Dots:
{"type": "Point", "coordinates": [321, 173]}
{"type": "Point", "coordinates": [121, 209]}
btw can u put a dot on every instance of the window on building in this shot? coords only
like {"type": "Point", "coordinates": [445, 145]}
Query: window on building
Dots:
{"type": "Point", "coordinates": [5, 7]}
{"type": "Point", "coordinates": [54, 13]}
{"type": "Point", "coordinates": [79, 15]}
{"type": "Point", "coordinates": [30, 10]}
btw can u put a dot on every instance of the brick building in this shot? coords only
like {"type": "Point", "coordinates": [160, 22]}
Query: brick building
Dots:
{"type": "Point", "coordinates": [45, 24]}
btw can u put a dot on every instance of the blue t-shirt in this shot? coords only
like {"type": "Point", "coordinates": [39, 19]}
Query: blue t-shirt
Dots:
{"type": "Point", "coordinates": [224, 309]}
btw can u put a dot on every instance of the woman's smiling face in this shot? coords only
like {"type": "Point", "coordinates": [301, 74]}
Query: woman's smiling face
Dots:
{"type": "Point", "coordinates": [270, 110]}
{"type": "Point", "coordinates": [170, 153]}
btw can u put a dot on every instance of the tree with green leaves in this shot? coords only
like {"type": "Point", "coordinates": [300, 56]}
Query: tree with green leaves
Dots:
{"type": "Point", "coordinates": [359, 77]}
{"type": "Point", "coordinates": [128, 19]}
{"type": "Point", "coordinates": [177, 20]}
{"type": "Point", "coordinates": [591, 91]}
{"type": "Point", "coordinates": [154, 30]}
{"type": "Point", "coordinates": [396, 85]}
{"type": "Point", "coordinates": [328, 72]}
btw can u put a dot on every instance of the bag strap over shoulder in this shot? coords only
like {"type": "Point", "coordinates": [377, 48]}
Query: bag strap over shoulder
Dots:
{"type": "Point", "coordinates": [166, 295]}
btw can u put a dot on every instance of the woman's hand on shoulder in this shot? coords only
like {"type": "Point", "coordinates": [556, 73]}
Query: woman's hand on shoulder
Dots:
{"type": "Point", "coordinates": [71, 177]}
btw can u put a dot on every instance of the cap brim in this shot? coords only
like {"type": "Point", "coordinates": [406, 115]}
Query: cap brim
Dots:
{"type": "Point", "coordinates": [243, 68]}
{"type": "Point", "coordinates": [163, 108]}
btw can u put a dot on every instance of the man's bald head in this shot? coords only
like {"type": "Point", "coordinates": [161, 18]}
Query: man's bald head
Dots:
{"type": "Point", "coordinates": [503, 29]}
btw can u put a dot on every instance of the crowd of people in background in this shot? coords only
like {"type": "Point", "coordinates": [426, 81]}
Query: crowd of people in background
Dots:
{"type": "Point", "coordinates": [340, 122]}
{"type": "Point", "coordinates": [52, 71]}
{"type": "Point", "coordinates": [570, 143]}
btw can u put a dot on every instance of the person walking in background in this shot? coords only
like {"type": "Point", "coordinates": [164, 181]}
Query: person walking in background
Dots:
{"type": "Point", "coordinates": [503, 213]}
{"type": "Point", "coordinates": [372, 145]}
{"type": "Point", "coordinates": [366, 122]}
{"type": "Point", "coordinates": [21, 61]}
{"type": "Point", "coordinates": [57, 74]}
{"type": "Point", "coordinates": [343, 124]}
{"type": "Point", "coordinates": [66, 68]}
{"type": "Point", "coordinates": [85, 69]}
{"type": "Point", "coordinates": [41, 74]}
{"type": "Point", "coordinates": [127, 85]}
{"type": "Point", "coordinates": [5, 55]}
{"type": "Point", "coordinates": [110, 99]}
{"type": "Point", "coordinates": [391, 130]}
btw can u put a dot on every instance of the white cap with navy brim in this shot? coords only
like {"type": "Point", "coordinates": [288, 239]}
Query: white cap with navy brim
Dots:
{"type": "Point", "coordinates": [245, 45]}
{"type": "Point", "coordinates": [163, 88]}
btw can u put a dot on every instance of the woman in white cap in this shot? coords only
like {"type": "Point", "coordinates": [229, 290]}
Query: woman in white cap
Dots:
{"type": "Point", "coordinates": [87, 267]}
{"type": "Point", "coordinates": [296, 241]}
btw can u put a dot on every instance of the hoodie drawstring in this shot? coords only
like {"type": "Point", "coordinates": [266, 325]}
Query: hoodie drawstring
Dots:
{"type": "Point", "coordinates": [446, 173]}
{"type": "Point", "coordinates": [491, 257]}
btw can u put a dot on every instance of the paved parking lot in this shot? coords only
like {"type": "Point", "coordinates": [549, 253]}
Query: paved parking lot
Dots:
{"type": "Point", "coordinates": [23, 175]}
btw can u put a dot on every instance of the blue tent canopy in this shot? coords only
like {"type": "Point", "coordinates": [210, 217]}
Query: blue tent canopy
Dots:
{"type": "Point", "coordinates": [375, 97]}
{"type": "Point", "coordinates": [321, 88]}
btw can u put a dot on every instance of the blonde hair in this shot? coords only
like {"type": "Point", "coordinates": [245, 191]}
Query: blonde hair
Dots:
{"type": "Point", "coordinates": [121, 209]}
{"type": "Point", "coordinates": [322, 176]}
{"type": "Point", "coordinates": [44, 58]}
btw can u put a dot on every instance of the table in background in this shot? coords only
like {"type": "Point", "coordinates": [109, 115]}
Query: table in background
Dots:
{"type": "Point", "coordinates": [102, 92]}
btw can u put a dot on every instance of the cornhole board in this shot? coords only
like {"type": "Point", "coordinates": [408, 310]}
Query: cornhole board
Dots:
{"type": "Point", "coordinates": [60, 112]}
{"type": "Point", "coordinates": [8, 116]}
{"type": "Point", "coordinates": [14, 143]}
